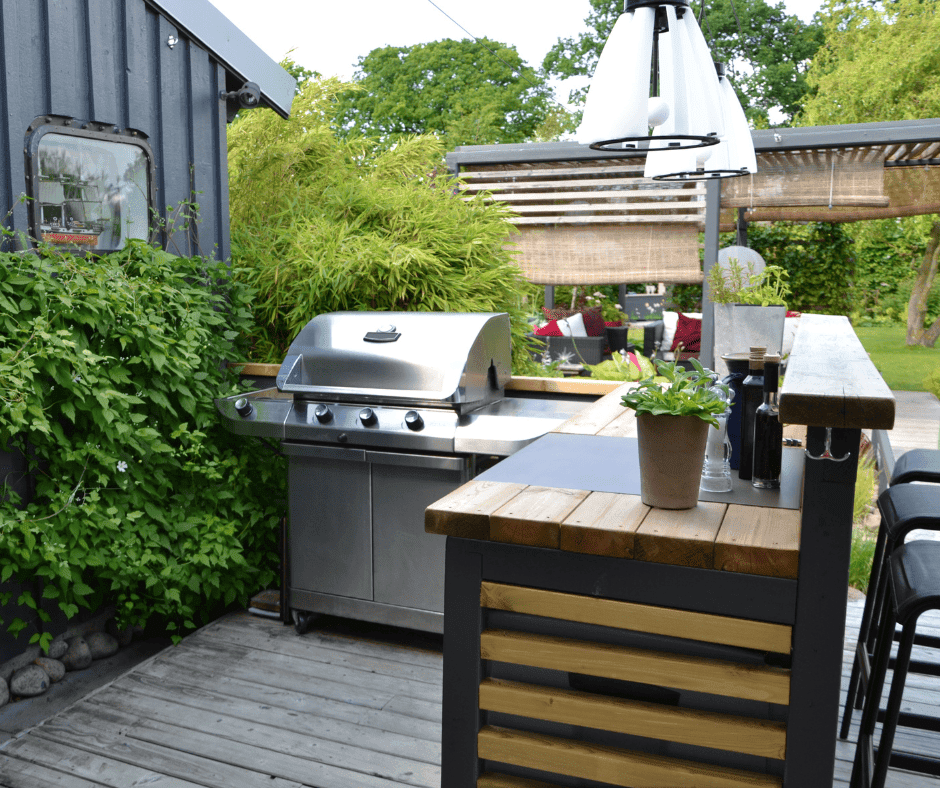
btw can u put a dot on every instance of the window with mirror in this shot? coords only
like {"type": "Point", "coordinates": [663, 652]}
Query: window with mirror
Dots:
{"type": "Point", "coordinates": [89, 191]}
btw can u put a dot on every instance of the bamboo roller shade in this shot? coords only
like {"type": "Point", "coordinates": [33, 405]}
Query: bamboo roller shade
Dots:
{"type": "Point", "coordinates": [596, 223]}
{"type": "Point", "coordinates": [908, 190]}
{"type": "Point", "coordinates": [796, 178]}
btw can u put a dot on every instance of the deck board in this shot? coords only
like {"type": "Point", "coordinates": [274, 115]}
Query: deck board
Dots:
{"type": "Point", "coordinates": [248, 702]}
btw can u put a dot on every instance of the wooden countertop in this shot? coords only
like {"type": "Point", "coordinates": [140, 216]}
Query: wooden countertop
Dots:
{"type": "Point", "coordinates": [736, 538]}
{"type": "Point", "coordinates": [830, 382]}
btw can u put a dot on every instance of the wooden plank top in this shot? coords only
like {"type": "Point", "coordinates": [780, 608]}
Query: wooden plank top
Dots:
{"type": "Point", "coordinates": [746, 539]}
{"type": "Point", "coordinates": [831, 381]}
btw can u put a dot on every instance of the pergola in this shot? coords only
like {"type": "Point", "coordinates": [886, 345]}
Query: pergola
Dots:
{"type": "Point", "coordinates": [589, 217]}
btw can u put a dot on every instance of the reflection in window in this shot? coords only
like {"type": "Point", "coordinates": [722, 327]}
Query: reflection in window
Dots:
{"type": "Point", "coordinates": [93, 194]}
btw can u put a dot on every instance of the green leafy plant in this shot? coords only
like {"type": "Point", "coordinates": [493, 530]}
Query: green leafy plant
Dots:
{"type": "Point", "coordinates": [679, 392]}
{"type": "Point", "coordinates": [932, 383]}
{"type": "Point", "coordinates": [610, 309]}
{"type": "Point", "coordinates": [108, 370]}
{"type": "Point", "coordinates": [322, 225]}
{"type": "Point", "coordinates": [620, 367]}
{"type": "Point", "coordinates": [740, 285]}
{"type": "Point", "coordinates": [862, 551]}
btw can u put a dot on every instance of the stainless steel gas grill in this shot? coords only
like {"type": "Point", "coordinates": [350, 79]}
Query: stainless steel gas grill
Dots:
{"type": "Point", "coordinates": [380, 415]}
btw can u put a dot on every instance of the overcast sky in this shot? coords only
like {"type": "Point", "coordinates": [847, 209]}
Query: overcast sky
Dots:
{"type": "Point", "coordinates": [329, 36]}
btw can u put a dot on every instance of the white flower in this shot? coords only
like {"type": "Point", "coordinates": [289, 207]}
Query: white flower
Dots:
{"type": "Point", "coordinates": [122, 466]}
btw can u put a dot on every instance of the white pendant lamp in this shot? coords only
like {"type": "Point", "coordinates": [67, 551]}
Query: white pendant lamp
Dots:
{"type": "Point", "coordinates": [685, 108]}
{"type": "Point", "coordinates": [732, 156]}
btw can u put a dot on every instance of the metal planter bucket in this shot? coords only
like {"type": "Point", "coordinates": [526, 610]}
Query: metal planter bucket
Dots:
{"type": "Point", "coordinates": [738, 327]}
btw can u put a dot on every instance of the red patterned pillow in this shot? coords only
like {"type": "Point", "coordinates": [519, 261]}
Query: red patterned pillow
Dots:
{"type": "Point", "coordinates": [613, 323]}
{"type": "Point", "coordinates": [594, 322]}
{"type": "Point", "coordinates": [550, 329]}
{"type": "Point", "coordinates": [688, 334]}
{"type": "Point", "coordinates": [558, 313]}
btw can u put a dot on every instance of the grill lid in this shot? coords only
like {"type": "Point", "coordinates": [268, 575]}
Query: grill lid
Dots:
{"type": "Point", "coordinates": [444, 359]}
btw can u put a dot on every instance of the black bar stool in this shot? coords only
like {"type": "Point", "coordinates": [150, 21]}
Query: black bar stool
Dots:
{"type": "Point", "coordinates": [913, 589]}
{"type": "Point", "coordinates": [904, 508]}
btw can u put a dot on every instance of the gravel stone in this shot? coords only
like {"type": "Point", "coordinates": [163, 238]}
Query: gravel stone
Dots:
{"type": "Point", "coordinates": [6, 672]}
{"type": "Point", "coordinates": [78, 656]}
{"type": "Point", "coordinates": [29, 681]}
{"type": "Point", "coordinates": [54, 668]}
{"type": "Point", "coordinates": [57, 649]}
{"type": "Point", "coordinates": [101, 644]}
{"type": "Point", "coordinates": [4, 692]}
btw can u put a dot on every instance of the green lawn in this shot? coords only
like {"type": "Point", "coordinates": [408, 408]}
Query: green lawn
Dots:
{"type": "Point", "coordinates": [903, 368]}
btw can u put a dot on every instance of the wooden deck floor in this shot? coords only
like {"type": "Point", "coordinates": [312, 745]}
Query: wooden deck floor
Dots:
{"type": "Point", "coordinates": [246, 702]}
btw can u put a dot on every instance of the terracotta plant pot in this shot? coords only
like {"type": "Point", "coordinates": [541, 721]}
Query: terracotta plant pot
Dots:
{"type": "Point", "coordinates": [672, 452]}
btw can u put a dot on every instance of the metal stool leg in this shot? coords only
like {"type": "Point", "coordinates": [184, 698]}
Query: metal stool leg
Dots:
{"type": "Point", "coordinates": [861, 768]}
{"type": "Point", "coordinates": [894, 703]}
{"type": "Point", "coordinates": [855, 696]}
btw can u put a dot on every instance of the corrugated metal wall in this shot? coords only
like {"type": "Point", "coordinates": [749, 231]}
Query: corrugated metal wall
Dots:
{"type": "Point", "coordinates": [110, 61]}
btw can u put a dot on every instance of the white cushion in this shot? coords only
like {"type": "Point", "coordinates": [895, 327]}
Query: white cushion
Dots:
{"type": "Point", "coordinates": [573, 326]}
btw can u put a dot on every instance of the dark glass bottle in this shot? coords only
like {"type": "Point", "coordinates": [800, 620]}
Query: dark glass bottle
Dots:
{"type": "Point", "coordinates": [752, 394]}
{"type": "Point", "coordinates": [768, 431]}
{"type": "Point", "coordinates": [737, 371]}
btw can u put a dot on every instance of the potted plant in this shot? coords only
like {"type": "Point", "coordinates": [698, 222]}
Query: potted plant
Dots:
{"type": "Point", "coordinates": [673, 414]}
{"type": "Point", "coordinates": [614, 320]}
{"type": "Point", "coordinates": [750, 308]}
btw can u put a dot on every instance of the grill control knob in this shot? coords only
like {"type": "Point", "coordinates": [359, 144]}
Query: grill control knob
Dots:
{"type": "Point", "coordinates": [323, 413]}
{"type": "Point", "coordinates": [413, 420]}
{"type": "Point", "coordinates": [243, 407]}
{"type": "Point", "coordinates": [367, 417]}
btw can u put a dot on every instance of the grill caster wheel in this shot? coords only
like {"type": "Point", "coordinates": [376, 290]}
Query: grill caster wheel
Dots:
{"type": "Point", "coordinates": [302, 622]}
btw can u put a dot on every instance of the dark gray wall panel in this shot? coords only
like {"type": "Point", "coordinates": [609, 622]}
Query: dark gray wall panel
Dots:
{"type": "Point", "coordinates": [26, 91]}
{"type": "Point", "coordinates": [105, 35]}
{"type": "Point", "coordinates": [110, 62]}
{"type": "Point", "coordinates": [66, 39]}
{"type": "Point", "coordinates": [176, 133]}
{"type": "Point", "coordinates": [204, 110]}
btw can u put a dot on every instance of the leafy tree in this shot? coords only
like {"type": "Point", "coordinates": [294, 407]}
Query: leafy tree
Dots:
{"type": "Point", "coordinates": [320, 224]}
{"type": "Point", "coordinates": [857, 79]}
{"type": "Point", "coordinates": [459, 90]}
{"type": "Point", "coordinates": [767, 65]}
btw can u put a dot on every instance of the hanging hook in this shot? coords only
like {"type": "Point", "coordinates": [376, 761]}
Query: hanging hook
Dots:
{"type": "Point", "coordinates": [827, 450]}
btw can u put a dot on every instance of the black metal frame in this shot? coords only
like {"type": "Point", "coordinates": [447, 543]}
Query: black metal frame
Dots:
{"type": "Point", "coordinates": [815, 605]}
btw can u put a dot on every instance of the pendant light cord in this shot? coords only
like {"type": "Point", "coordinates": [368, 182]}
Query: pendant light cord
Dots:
{"type": "Point", "coordinates": [702, 16]}
{"type": "Point", "coordinates": [515, 71]}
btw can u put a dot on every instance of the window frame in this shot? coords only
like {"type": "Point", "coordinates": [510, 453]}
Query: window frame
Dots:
{"type": "Point", "coordinates": [80, 129]}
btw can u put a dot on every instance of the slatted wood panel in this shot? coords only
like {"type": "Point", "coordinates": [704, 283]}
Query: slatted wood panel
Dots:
{"type": "Point", "coordinates": [638, 618]}
{"type": "Point", "coordinates": [680, 668]}
{"type": "Point", "coordinates": [594, 223]}
{"type": "Point", "coordinates": [662, 669]}
{"type": "Point", "coordinates": [608, 191]}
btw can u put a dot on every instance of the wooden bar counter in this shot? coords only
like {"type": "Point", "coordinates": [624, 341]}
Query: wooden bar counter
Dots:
{"type": "Point", "coordinates": [590, 640]}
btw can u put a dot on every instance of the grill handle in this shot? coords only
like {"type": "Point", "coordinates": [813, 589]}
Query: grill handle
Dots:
{"type": "Point", "coordinates": [439, 462]}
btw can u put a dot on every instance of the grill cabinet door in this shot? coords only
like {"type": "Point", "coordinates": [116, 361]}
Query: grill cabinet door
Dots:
{"type": "Point", "coordinates": [408, 564]}
{"type": "Point", "coordinates": [330, 539]}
